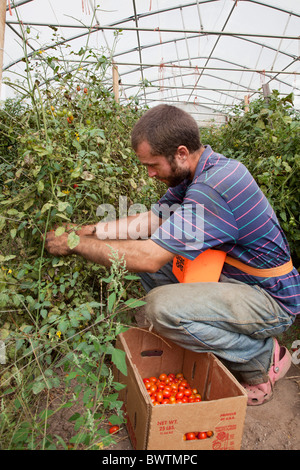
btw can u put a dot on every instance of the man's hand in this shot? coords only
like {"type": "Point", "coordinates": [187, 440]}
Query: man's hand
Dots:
{"type": "Point", "coordinates": [57, 245]}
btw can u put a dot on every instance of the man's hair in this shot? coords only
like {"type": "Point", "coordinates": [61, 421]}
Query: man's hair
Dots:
{"type": "Point", "coordinates": [165, 128]}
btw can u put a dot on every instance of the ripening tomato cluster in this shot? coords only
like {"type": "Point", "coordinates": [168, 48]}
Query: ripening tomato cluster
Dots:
{"type": "Point", "coordinates": [170, 389]}
{"type": "Point", "coordinates": [191, 436]}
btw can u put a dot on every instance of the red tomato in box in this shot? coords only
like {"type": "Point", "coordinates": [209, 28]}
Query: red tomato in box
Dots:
{"type": "Point", "coordinates": [190, 436]}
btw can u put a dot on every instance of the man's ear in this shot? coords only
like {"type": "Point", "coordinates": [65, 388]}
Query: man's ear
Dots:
{"type": "Point", "coordinates": [182, 153]}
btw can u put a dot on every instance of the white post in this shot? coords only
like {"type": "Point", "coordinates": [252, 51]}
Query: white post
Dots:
{"type": "Point", "coordinates": [2, 34]}
{"type": "Point", "coordinates": [115, 82]}
{"type": "Point", "coordinates": [246, 103]}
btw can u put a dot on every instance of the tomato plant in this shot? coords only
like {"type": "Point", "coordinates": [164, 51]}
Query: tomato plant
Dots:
{"type": "Point", "coordinates": [65, 149]}
{"type": "Point", "coordinates": [267, 140]}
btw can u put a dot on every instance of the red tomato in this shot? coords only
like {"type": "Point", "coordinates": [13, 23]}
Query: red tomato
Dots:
{"type": "Point", "coordinates": [166, 393]}
{"type": "Point", "coordinates": [159, 397]}
{"type": "Point", "coordinates": [190, 436]}
{"type": "Point", "coordinates": [184, 383]}
{"type": "Point", "coordinates": [160, 385]}
{"type": "Point", "coordinates": [179, 395]}
{"type": "Point", "coordinates": [153, 388]}
{"type": "Point", "coordinates": [114, 429]}
{"type": "Point", "coordinates": [85, 90]}
{"type": "Point", "coordinates": [187, 392]}
{"type": "Point", "coordinates": [162, 377]}
{"type": "Point", "coordinates": [202, 435]}
{"type": "Point", "coordinates": [153, 379]}
{"type": "Point", "coordinates": [209, 433]}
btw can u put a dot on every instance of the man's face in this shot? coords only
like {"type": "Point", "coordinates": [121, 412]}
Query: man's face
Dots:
{"type": "Point", "coordinates": [160, 168]}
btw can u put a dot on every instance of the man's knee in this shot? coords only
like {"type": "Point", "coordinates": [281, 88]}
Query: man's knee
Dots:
{"type": "Point", "coordinates": [156, 305]}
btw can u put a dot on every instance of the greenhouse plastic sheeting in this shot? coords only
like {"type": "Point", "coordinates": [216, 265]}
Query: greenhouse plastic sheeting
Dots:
{"type": "Point", "coordinates": [205, 55]}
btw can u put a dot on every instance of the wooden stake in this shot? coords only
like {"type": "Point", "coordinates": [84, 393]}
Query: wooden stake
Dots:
{"type": "Point", "coordinates": [246, 101]}
{"type": "Point", "coordinates": [116, 82]}
{"type": "Point", "coordinates": [266, 92]}
{"type": "Point", "coordinates": [2, 34]}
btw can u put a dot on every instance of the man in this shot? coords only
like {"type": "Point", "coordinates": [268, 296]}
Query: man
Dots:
{"type": "Point", "coordinates": [214, 203]}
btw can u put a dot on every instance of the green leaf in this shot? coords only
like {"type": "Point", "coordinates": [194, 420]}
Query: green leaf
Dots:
{"type": "Point", "coordinates": [59, 231]}
{"type": "Point", "coordinates": [111, 301]}
{"type": "Point", "coordinates": [38, 387]}
{"type": "Point", "coordinates": [115, 419]}
{"type": "Point", "coordinates": [61, 441]}
{"type": "Point", "coordinates": [40, 186]}
{"type": "Point", "coordinates": [2, 223]}
{"type": "Point", "coordinates": [46, 207]}
{"type": "Point", "coordinates": [3, 259]}
{"type": "Point", "coordinates": [62, 206]}
{"type": "Point", "coordinates": [118, 357]}
{"type": "Point", "coordinates": [73, 240]}
{"type": "Point", "coordinates": [74, 417]}
{"type": "Point", "coordinates": [134, 303]}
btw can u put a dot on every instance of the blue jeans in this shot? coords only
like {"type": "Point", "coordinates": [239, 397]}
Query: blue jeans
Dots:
{"type": "Point", "coordinates": [233, 320]}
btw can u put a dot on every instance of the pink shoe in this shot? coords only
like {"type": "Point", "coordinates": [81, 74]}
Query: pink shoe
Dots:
{"type": "Point", "coordinates": [261, 393]}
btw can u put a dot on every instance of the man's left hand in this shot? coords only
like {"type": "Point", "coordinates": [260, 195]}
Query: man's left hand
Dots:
{"type": "Point", "coordinates": [57, 245]}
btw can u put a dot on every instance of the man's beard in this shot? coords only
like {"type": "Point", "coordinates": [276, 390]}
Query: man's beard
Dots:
{"type": "Point", "coordinates": [178, 175]}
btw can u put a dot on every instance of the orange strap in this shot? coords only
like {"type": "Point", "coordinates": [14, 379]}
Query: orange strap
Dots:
{"type": "Point", "coordinates": [208, 265]}
{"type": "Point", "coordinates": [269, 272]}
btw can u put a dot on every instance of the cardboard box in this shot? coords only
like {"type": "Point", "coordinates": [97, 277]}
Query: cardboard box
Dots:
{"type": "Point", "coordinates": [162, 427]}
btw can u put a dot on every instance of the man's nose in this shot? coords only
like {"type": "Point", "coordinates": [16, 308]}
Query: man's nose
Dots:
{"type": "Point", "coordinates": [151, 172]}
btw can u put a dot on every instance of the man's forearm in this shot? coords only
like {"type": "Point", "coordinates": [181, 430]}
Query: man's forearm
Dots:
{"type": "Point", "coordinates": [137, 255]}
{"type": "Point", "coordinates": [139, 226]}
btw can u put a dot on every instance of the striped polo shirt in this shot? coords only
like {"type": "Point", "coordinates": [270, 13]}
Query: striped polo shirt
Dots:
{"type": "Point", "coordinates": [223, 208]}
